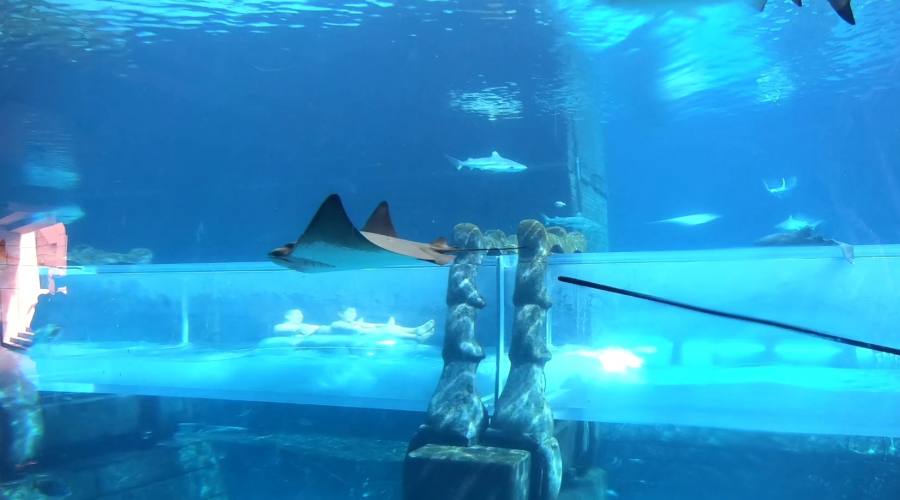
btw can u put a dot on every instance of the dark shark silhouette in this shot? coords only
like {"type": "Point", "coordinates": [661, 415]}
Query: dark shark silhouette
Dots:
{"type": "Point", "coordinates": [332, 243]}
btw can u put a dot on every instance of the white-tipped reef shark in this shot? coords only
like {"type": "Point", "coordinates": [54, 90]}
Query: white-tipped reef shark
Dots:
{"type": "Point", "coordinates": [493, 163]}
{"type": "Point", "coordinates": [332, 243]}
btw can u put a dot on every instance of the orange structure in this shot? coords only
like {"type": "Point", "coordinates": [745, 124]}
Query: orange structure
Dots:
{"type": "Point", "coordinates": [26, 243]}
{"type": "Point", "coordinates": [28, 240]}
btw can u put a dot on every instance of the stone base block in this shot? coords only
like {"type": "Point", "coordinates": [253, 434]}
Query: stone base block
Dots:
{"type": "Point", "coordinates": [589, 486]}
{"type": "Point", "coordinates": [437, 472]}
{"type": "Point", "coordinates": [546, 461]}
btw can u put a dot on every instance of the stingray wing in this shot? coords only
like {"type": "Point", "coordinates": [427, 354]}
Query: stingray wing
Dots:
{"type": "Point", "coordinates": [332, 243]}
{"type": "Point", "coordinates": [408, 248]}
{"type": "Point", "coordinates": [331, 226]}
{"type": "Point", "coordinates": [380, 221]}
{"type": "Point", "coordinates": [843, 9]}
{"type": "Point", "coordinates": [380, 231]}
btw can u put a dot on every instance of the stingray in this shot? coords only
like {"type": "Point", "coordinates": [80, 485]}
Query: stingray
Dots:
{"type": "Point", "coordinates": [332, 243]}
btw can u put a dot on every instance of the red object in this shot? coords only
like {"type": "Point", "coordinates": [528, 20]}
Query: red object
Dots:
{"type": "Point", "coordinates": [22, 252]}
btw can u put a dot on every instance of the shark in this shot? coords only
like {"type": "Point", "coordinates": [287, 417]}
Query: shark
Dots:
{"type": "Point", "coordinates": [690, 220]}
{"type": "Point", "coordinates": [492, 163]}
{"type": "Point", "coordinates": [798, 223]}
{"type": "Point", "coordinates": [779, 190]}
{"type": "Point", "coordinates": [805, 237]}
{"type": "Point", "coordinates": [575, 222]}
{"type": "Point", "coordinates": [332, 243]}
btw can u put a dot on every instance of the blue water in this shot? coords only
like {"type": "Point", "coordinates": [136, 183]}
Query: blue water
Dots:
{"type": "Point", "coordinates": [209, 132]}
{"type": "Point", "coordinates": [233, 122]}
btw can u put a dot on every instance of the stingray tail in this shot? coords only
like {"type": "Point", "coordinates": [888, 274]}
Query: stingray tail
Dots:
{"type": "Point", "coordinates": [739, 317]}
{"type": "Point", "coordinates": [503, 251]}
{"type": "Point", "coordinates": [490, 251]}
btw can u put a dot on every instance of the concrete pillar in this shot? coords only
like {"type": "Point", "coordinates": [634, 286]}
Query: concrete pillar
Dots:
{"type": "Point", "coordinates": [587, 162]}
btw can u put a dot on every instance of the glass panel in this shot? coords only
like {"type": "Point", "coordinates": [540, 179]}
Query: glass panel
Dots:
{"type": "Point", "coordinates": [619, 359]}
{"type": "Point", "coordinates": [228, 331]}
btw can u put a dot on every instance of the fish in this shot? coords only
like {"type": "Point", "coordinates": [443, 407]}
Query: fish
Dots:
{"type": "Point", "coordinates": [576, 222]}
{"type": "Point", "coordinates": [559, 204]}
{"type": "Point", "coordinates": [797, 224]}
{"type": "Point", "coordinates": [332, 243]}
{"type": "Point", "coordinates": [493, 163]}
{"type": "Point", "coordinates": [690, 220]}
{"type": "Point", "coordinates": [780, 190]}
{"type": "Point", "coordinates": [806, 237]}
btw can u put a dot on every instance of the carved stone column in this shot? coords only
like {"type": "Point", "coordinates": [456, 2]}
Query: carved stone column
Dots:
{"type": "Point", "coordinates": [456, 415]}
{"type": "Point", "coordinates": [523, 418]}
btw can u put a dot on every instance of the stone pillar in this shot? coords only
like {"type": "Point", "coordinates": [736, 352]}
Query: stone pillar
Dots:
{"type": "Point", "coordinates": [444, 460]}
{"type": "Point", "coordinates": [523, 418]}
{"type": "Point", "coordinates": [456, 415]}
{"type": "Point", "coordinates": [587, 157]}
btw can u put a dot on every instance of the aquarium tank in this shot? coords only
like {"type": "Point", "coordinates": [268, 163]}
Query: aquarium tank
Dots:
{"type": "Point", "coordinates": [450, 249]}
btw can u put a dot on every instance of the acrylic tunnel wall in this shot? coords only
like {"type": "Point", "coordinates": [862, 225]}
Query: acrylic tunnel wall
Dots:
{"type": "Point", "coordinates": [203, 331]}
{"type": "Point", "coordinates": [208, 331]}
{"type": "Point", "coordinates": [619, 359]}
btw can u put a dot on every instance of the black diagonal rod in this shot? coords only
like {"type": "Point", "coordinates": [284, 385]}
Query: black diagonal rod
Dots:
{"type": "Point", "coordinates": [739, 317]}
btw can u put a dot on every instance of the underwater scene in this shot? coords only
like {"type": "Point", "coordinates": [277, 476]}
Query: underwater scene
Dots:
{"type": "Point", "coordinates": [450, 249]}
